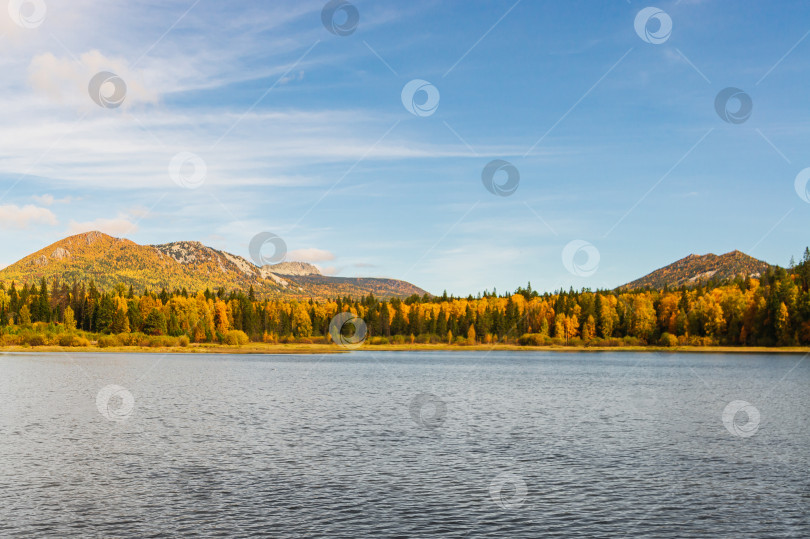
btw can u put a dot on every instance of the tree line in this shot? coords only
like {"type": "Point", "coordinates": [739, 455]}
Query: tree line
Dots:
{"type": "Point", "coordinates": [772, 310]}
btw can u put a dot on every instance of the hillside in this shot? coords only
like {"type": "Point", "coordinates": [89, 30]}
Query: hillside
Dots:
{"type": "Point", "coordinates": [109, 261]}
{"type": "Point", "coordinates": [696, 269]}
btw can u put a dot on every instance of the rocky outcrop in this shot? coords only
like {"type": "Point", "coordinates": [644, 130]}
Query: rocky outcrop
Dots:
{"type": "Point", "coordinates": [293, 268]}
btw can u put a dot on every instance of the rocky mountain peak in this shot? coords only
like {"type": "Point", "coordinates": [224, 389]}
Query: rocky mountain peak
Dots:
{"type": "Point", "coordinates": [293, 268]}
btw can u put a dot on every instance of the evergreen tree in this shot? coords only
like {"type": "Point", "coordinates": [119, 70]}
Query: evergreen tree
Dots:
{"type": "Point", "coordinates": [173, 326]}
{"type": "Point", "coordinates": [104, 315]}
{"type": "Point", "coordinates": [155, 323]}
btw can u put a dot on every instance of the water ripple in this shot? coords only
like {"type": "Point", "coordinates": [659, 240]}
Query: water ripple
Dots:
{"type": "Point", "coordinates": [510, 445]}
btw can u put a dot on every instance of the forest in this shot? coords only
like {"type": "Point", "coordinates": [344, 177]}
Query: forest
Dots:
{"type": "Point", "coordinates": [772, 310]}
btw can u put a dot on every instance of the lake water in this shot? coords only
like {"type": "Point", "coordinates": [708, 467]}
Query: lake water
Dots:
{"type": "Point", "coordinates": [522, 444]}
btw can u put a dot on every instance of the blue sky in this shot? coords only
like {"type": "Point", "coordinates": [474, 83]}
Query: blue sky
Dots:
{"type": "Point", "coordinates": [304, 134]}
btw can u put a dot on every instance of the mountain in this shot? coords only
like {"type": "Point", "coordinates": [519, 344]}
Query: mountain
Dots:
{"type": "Point", "coordinates": [109, 261]}
{"type": "Point", "coordinates": [694, 269]}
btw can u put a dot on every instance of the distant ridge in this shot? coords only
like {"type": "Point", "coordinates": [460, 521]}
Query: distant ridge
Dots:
{"type": "Point", "coordinates": [696, 269]}
{"type": "Point", "coordinates": [108, 261]}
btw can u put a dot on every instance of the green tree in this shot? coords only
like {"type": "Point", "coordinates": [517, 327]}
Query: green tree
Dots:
{"type": "Point", "coordinates": [44, 304]}
{"type": "Point", "coordinates": [120, 322]}
{"type": "Point", "coordinates": [155, 323]}
{"type": "Point", "coordinates": [173, 326]}
{"type": "Point", "coordinates": [104, 314]}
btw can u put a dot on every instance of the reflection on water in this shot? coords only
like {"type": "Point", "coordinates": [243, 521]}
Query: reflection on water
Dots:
{"type": "Point", "coordinates": [383, 444]}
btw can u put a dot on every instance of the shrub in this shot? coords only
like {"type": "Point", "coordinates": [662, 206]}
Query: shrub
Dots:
{"type": "Point", "coordinates": [161, 341]}
{"type": "Point", "coordinates": [531, 339]}
{"type": "Point", "coordinates": [236, 338]}
{"type": "Point", "coordinates": [630, 341]}
{"type": "Point", "coordinates": [694, 340]}
{"type": "Point", "coordinates": [668, 339]}
{"type": "Point", "coordinates": [108, 341]}
{"type": "Point", "coordinates": [575, 341]}
{"type": "Point", "coordinates": [36, 340]}
{"type": "Point", "coordinates": [183, 341]}
{"type": "Point", "coordinates": [128, 339]}
{"type": "Point", "coordinates": [424, 338]}
{"type": "Point", "coordinates": [10, 340]}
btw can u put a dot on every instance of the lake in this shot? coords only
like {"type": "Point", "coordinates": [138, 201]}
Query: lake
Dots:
{"type": "Point", "coordinates": [458, 444]}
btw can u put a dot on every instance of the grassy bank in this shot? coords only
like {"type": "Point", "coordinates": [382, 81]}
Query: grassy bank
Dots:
{"type": "Point", "coordinates": [324, 348]}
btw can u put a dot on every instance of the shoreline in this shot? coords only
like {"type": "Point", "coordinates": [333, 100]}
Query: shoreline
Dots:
{"type": "Point", "coordinates": [314, 349]}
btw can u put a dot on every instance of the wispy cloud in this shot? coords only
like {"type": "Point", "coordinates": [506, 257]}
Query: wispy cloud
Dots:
{"type": "Point", "coordinates": [118, 226]}
{"type": "Point", "coordinates": [50, 200]}
{"type": "Point", "coordinates": [67, 79]}
{"type": "Point", "coordinates": [310, 255]}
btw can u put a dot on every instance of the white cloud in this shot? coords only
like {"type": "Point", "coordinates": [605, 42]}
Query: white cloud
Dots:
{"type": "Point", "coordinates": [67, 79]}
{"type": "Point", "coordinates": [310, 255]}
{"type": "Point", "coordinates": [120, 226]}
{"type": "Point", "coordinates": [110, 150]}
{"type": "Point", "coordinates": [328, 270]}
{"type": "Point", "coordinates": [12, 216]}
{"type": "Point", "coordinates": [45, 200]}
{"type": "Point", "coordinates": [292, 77]}
{"type": "Point", "coordinates": [50, 200]}
{"type": "Point", "coordinates": [138, 211]}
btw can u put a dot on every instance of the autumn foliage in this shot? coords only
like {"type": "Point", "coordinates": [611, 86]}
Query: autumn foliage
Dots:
{"type": "Point", "coordinates": [771, 311]}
